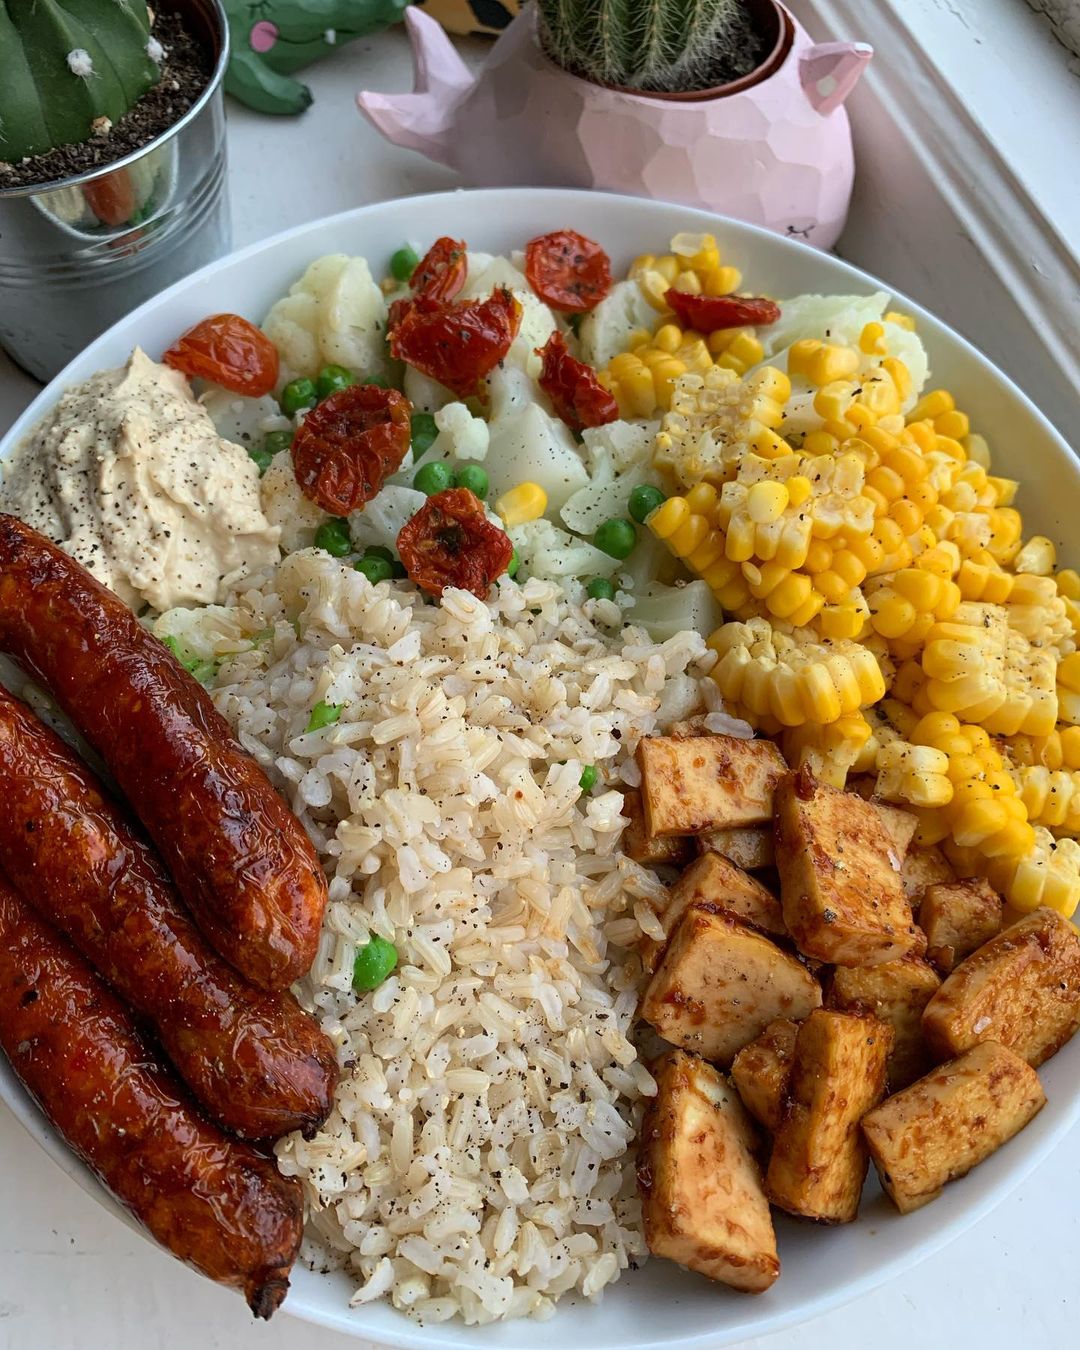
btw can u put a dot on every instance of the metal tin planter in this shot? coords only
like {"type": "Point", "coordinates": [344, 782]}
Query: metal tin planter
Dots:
{"type": "Point", "coordinates": [69, 268]}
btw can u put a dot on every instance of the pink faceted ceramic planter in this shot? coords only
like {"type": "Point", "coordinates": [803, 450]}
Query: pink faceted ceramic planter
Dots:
{"type": "Point", "coordinates": [777, 153]}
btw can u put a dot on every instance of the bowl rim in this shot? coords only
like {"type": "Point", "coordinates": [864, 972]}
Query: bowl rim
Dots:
{"type": "Point", "coordinates": [402, 1332]}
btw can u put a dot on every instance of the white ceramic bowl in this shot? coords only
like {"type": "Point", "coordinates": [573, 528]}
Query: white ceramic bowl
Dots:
{"type": "Point", "coordinates": [660, 1305]}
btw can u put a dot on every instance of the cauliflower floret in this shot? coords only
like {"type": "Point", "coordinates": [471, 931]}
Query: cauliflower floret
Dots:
{"type": "Point", "coordinates": [605, 330]}
{"type": "Point", "coordinates": [622, 445]}
{"type": "Point", "coordinates": [529, 446]}
{"type": "Point", "coordinates": [424, 393]}
{"type": "Point", "coordinates": [510, 389]}
{"type": "Point", "coordinates": [830, 318]}
{"type": "Point", "coordinates": [537, 321]}
{"type": "Point", "coordinates": [664, 611]}
{"type": "Point", "coordinates": [286, 506]}
{"type": "Point", "coordinates": [335, 314]}
{"type": "Point", "coordinates": [550, 553]}
{"type": "Point", "coordinates": [379, 522]}
{"type": "Point", "coordinates": [244, 421]}
{"type": "Point", "coordinates": [461, 435]}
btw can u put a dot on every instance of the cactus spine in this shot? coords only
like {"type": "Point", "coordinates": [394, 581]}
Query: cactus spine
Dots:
{"type": "Point", "coordinates": [657, 46]}
{"type": "Point", "coordinates": [64, 65]}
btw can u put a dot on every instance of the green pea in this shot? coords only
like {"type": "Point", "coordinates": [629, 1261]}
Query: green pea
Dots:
{"type": "Point", "coordinates": [600, 589]}
{"type": "Point", "coordinates": [513, 565]}
{"type": "Point", "coordinates": [375, 960]}
{"type": "Point", "coordinates": [375, 569]}
{"type": "Point", "coordinates": [403, 263]}
{"type": "Point", "coordinates": [588, 778]}
{"type": "Point", "coordinates": [616, 538]}
{"type": "Point", "coordinates": [262, 457]}
{"type": "Point", "coordinates": [332, 378]}
{"type": "Point", "coordinates": [297, 394]}
{"type": "Point", "coordinates": [474, 477]}
{"type": "Point", "coordinates": [644, 500]}
{"type": "Point", "coordinates": [424, 432]}
{"type": "Point", "coordinates": [323, 715]}
{"type": "Point", "coordinates": [274, 442]}
{"type": "Point", "coordinates": [379, 551]}
{"type": "Point", "coordinates": [379, 381]}
{"type": "Point", "coordinates": [433, 477]}
{"type": "Point", "coordinates": [333, 536]}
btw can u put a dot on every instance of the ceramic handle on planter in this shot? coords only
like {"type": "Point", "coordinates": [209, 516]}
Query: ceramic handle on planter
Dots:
{"type": "Point", "coordinates": [829, 71]}
{"type": "Point", "coordinates": [424, 119]}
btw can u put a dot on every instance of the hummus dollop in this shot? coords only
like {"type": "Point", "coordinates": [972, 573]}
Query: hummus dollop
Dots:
{"type": "Point", "coordinates": [129, 476]}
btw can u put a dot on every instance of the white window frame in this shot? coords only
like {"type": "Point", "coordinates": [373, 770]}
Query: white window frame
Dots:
{"type": "Point", "coordinates": [967, 188]}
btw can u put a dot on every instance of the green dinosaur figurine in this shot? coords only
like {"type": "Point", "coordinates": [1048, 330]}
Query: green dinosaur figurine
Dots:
{"type": "Point", "coordinates": [273, 38]}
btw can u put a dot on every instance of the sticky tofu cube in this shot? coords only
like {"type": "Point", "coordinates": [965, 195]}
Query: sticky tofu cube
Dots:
{"type": "Point", "coordinates": [896, 992]}
{"type": "Point", "coordinates": [642, 847]}
{"type": "Point", "coordinates": [819, 1158]}
{"type": "Point", "coordinates": [924, 867]}
{"type": "Point", "coordinates": [716, 884]}
{"type": "Point", "coordinates": [750, 848]}
{"type": "Point", "coordinates": [899, 825]}
{"type": "Point", "coordinates": [719, 984]}
{"type": "Point", "coordinates": [701, 1194]}
{"type": "Point", "coordinates": [957, 917]}
{"type": "Point", "coordinates": [1021, 989]}
{"type": "Point", "coordinates": [762, 1069]}
{"type": "Point", "coordinates": [695, 783]}
{"type": "Point", "coordinates": [840, 876]}
{"type": "Point", "coordinates": [946, 1123]}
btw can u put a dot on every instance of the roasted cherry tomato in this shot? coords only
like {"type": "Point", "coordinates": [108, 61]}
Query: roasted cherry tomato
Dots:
{"type": "Point", "coordinates": [451, 542]}
{"type": "Point", "coordinates": [230, 351]}
{"type": "Point", "coordinates": [707, 313]}
{"type": "Point", "coordinates": [567, 271]}
{"type": "Point", "coordinates": [397, 311]}
{"type": "Point", "coordinates": [346, 448]}
{"type": "Point", "coordinates": [579, 397]}
{"type": "Point", "coordinates": [459, 343]}
{"type": "Point", "coordinates": [440, 273]}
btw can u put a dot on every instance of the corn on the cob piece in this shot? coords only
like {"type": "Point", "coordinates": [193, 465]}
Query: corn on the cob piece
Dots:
{"type": "Point", "coordinates": [831, 751]}
{"type": "Point", "coordinates": [785, 673]}
{"type": "Point", "coordinates": [1059, 750]}
{"type": "Point", "coordinates": [1047, 874]}
{"type": "Point", "coordinates": [985, 812]}
{"type": "Point", "coordinates": [917, 775]}
{"type": "Point", "coordinates": [983, 671]}
{"type": "Point", "coordinates": [1051, 796]}
{"type": "Point", "coordinates": [716, 419]}
{"type": "Point", "coordinates": [1037, 610]}
{"type": "Point", "coordinates": [905, 605]}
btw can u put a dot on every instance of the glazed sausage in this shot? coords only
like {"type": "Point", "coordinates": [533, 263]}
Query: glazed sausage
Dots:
{"type": "Point", "coordinates": [239, 857]}
{"type": "Point", "coordinates": [255, 1061]}
{"type": "Point", "coordinates": [211, 1200]}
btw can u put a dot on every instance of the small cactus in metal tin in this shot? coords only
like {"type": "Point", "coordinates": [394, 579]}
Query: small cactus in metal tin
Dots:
{"type": "Point", "coordinates": [70, 69]}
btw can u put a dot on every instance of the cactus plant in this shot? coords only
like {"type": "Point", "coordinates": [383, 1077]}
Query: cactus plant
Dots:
{"type": "Point", "coordinates": [657, 46]}
{"type": "Point", "coordinates": [66, 66]}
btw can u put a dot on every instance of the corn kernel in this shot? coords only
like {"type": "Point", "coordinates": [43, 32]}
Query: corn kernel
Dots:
{"type": "Point", "coordinates": [932, 405]}
{"type": "Point", "coordinates": [527, 501]}
{"type": "Point", "coordinates": [901, 320]}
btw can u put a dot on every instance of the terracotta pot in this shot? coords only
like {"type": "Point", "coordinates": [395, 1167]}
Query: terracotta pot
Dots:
{"type": "Point", "coordinates": [773, 148]}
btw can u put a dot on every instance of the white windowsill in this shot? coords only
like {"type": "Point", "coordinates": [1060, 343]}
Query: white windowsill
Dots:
{"type": "Point", "coordinates": [968, 183]}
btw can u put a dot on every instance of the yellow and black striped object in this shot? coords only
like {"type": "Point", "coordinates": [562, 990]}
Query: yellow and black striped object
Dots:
{"type": "Point", "coordinates": [472, 16]}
